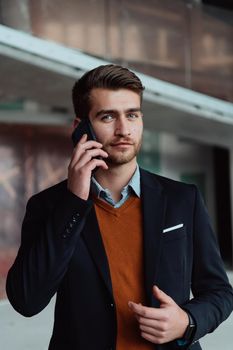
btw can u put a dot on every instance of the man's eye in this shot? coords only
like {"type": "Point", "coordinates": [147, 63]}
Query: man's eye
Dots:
{"type": "Point", "coordinates": [133, 116]}
{"type": "Point", "coordinates": [107, 117]}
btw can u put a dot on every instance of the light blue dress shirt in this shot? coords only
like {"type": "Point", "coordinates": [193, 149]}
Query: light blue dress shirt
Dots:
{"type": "Point", "coordinates": [132, 187]}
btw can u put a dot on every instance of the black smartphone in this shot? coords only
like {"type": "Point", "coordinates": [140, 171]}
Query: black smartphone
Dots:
{"type": "Point", "coordinates": [84, 127]}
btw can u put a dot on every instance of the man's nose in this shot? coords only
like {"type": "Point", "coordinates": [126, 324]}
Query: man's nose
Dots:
{"type": "Point", "coordinates": [122, 127]}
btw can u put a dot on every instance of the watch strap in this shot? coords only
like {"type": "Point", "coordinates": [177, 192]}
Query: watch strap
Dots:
{"type": "Point", "coordinates": [190, 328]}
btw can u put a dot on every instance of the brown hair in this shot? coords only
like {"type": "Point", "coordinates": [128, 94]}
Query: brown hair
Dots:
{"type": "Point", "coordinates": [109, 76]}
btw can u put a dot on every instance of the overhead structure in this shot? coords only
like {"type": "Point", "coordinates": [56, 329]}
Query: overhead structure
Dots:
{"type": "Point", "coordinates": [41, 71]}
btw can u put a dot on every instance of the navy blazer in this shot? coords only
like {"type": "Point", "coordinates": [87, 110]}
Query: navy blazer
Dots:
{"type": "Point", "coordinates": [62, 252]}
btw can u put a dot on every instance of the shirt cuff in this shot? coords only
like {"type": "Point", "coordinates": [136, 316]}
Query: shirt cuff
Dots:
{"type": "Point", "coordinates": [182, 342]}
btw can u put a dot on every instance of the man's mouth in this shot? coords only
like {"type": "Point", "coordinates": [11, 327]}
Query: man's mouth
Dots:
{"type": "Point", "coordinates": [121, 144]}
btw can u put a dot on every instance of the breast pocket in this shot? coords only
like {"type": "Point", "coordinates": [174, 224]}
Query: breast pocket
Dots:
{"type": "Point", "coordinates": [174, 234]}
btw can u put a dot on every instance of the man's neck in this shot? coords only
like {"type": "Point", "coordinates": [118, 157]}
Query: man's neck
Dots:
{"type": "Point", "coordinates": [116, 178]}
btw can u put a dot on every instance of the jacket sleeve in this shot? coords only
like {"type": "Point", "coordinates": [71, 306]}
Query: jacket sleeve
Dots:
{"type": "Point", "coordinates": [48, 240]}
{"type": "Point", "coordinates": [212, 300]}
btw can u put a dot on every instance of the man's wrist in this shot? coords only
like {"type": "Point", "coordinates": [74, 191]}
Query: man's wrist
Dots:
{"type": "Point", "coordinates": [189, 332]}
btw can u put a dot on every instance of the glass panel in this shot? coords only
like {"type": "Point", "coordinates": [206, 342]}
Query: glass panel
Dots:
{"type": "Point", "coordinates": [212, 52]}
{"type": "Point", "coordinates": [78, 24]}
{"type": "Point", "coordinates": [151, 37]}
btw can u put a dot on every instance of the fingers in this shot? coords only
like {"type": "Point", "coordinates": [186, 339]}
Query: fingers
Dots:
{"type": "Point", "coordinates": [153, 339]}
{"type": "Point", "coordinates": [149, 317]}
{"type": "Point", "coordinates": [89, 154]}
{"type": "Point", "coordinates": [146, 312]}
{"type": "Point", "coordinates": [150, 323]}
{"type": "Point", "coordinates": [162, 297]}
{"type": "Point", "coordinates": [84, 151]}
{"type": "Point", "coordinates": [151, 331]}
{"type": "Point", "coordinates": [87, 157]}
{"type": "Point", "coordinates": [82, 147]}
{"type": "Point", "coordinates": [82, 163]}
{"type": "Point", "coordinates": [90, 143]}
{"type": "Point", "coordinates": [160, 325]}
{"type": "Point", "coordinates": [96, 163]}
{"type": "Point", "coordinates": [83, 139]}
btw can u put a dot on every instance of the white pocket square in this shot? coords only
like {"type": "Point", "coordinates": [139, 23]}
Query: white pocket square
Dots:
{"type": "Point", "coordinates": [172, 228]}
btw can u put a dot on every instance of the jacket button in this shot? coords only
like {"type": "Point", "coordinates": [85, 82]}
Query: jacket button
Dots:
{"type": "Point", "coordinates": [64, 235]}
{"type": "Point", "coordinates": [112, 305]}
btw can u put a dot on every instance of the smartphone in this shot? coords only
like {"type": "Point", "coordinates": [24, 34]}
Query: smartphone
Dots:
{"type": "Point", "coordinates": [84, 127]}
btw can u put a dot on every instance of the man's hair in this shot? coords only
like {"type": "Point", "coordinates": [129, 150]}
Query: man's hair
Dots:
{"type": "Point", "coordinates": [109, 76]}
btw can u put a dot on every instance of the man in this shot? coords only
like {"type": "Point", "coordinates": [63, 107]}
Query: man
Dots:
{"type": "Point", "coordinates": [120, 246]}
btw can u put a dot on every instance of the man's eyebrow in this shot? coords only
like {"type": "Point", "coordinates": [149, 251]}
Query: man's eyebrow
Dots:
{"type": "Point", "coordinates": [138, 109]}
{"type": "Point", "coordinates": [112, 111]}
{"type": "Point", "coordinates": [105, 111]}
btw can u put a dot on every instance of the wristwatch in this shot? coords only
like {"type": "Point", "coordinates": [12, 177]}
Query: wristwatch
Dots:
{"type": "Point", "coordinates": [190, 328]}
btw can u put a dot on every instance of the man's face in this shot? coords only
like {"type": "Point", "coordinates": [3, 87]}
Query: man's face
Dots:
{"type": "Point", "coordinates": [116, 118]}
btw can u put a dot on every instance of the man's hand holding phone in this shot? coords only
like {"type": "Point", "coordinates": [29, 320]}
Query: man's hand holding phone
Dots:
{"type": "Point", "coordinates": [82, 163]}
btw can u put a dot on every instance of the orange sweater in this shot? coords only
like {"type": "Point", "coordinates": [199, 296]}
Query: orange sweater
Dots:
{"type": "Point", "coordinates": [122, 235]}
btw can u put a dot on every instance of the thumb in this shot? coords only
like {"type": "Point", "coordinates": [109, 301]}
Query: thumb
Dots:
{"type": "Point", "coordinates": [162, 297]}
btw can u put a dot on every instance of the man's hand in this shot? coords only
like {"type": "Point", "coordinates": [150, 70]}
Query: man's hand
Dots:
{"type": "Point", "coordinates": [160, 325]}
{"type": "Point", "coordinates": [82, 163]}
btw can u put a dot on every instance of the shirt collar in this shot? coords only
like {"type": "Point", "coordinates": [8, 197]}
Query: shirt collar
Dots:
{"type": "Point", "coordinates": [134, 182]}
{"type": "Point", "coordinates": [133, 185]}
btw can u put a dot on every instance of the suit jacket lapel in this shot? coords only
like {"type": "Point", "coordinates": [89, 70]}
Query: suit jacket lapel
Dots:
{"type": "Point", "coordinates": [92, 237]}
{"type": "Point", "coordinates": [154, 205]}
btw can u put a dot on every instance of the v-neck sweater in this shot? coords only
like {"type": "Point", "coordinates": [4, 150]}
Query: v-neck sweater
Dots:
{"type": "Point", "coordinates": [122, 235]}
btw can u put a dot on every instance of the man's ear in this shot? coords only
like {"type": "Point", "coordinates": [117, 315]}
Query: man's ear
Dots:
{"type": "Point", "coordinates": [76, 122]}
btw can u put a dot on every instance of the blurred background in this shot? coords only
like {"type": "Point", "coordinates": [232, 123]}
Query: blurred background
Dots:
{"type": "Point", "coordinates": [183, 52]}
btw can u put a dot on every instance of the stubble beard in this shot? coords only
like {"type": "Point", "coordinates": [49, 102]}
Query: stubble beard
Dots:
{"type": "Point", "coordinates": [122, 156]}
